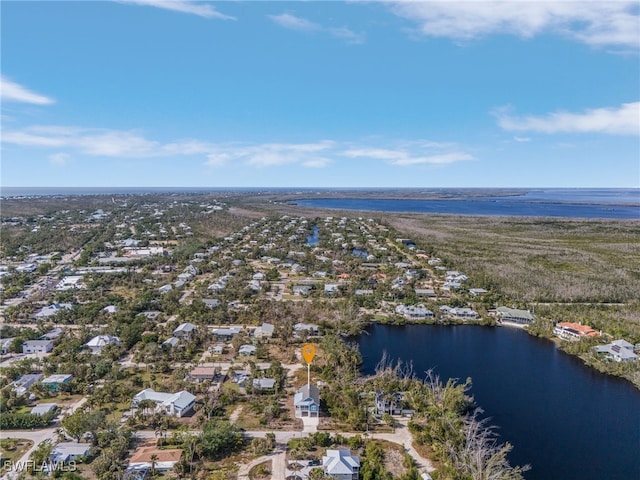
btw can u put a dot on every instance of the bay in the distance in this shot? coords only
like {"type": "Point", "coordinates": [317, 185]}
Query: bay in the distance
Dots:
{"type": "Point", "coordinates": [565, 419]}
{"type": "Point", "coordinates": [622, 204]}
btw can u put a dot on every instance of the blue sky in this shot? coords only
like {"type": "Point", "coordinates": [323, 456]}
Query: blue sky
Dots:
{"type": "Point", "coordinates": [320, 94]}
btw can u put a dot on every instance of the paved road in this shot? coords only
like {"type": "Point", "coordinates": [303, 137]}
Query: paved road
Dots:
{"type": "Point", "coordinates": [401, 436]}
{"type": "Point", "coordinates": [36, 436]}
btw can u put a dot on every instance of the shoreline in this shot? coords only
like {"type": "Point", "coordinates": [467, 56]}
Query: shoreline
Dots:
{"type": "Point", "coordinates": [553, 339]}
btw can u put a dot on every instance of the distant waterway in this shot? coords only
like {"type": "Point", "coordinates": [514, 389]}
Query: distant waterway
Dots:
{"type": "Point", "coordinates": [563, 418]}
{"type": "Point", "coordinates": [571, 203]}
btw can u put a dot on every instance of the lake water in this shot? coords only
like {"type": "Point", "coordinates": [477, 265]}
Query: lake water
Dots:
{"type": "Point", "coordinates": [574, 203]}
{"type": "Point", "coordinates": [314, 238]}
{"type": "Point", "coordinates": [564, 419]}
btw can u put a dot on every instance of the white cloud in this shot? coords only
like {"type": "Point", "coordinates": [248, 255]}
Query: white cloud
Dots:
{"type": "Point", "coordinates": [94, 142]}
{"type": "Point", "coordinates": [200, 9]}
{"type": "Point", "coordinates": [13, 92]}
{"type": "Point", "coordinates": [522, 139]}
{"type": "Point", "coordinates": [272, 154]}
{"type": "Point", "coordinates": [623, 120]}
{"type": "Point", "coordinates": [292, 22]}
{"type": "Point", "coordinates": [59, 159]}
{"type": "Point", "coordinates": [347, 34]}
{"type": "Point", "coordinates": [597, 23]}
{"type": "Point", "coordinates": [402, 157]}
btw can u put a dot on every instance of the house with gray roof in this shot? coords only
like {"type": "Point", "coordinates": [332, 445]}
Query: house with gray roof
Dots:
{"type": "Point", "coordinates": [225, 334]}
{"type": "Point", "coordinates": [310, 328]}
{"type": "Point", "coordinates": [44, 408]}
{"type": "Point", "coordinates": [53, 334]}
{"type": "Point", "coordinates": [24, 382]}
{"type": "Point", "coordinates": [262, 384]}
{"type": "Point", "coordinates": [307, 401]}
{"type": "Point", "coordinates": [5, 345]}
{"type": "Point", "coordinates": [513, 315]}
{"type": "Point", "coordinates": [170, 343]}
{"type": "Point", "coordinates": [211, 302]}
{"type": "Point", "coordinates": [53, 309]}
{"type": "Point", "coordinates": [247, 350]}
{"type": "Point", "coordinates": [175, 404]}
{"type": "Point", "coordinates": [97, 343]}
{"type": "Point", "coordinates": [620, 351]}
{"type": "Point", "coordinates": [37, 346]}
{"type": "Point", "coordinates": [67, 451]}
{"type": "Point", "coordinates": [414, 312]}
{"type": "Point", "coordinates": [264, 331]}
{"type": "Point", "coordinates": [184, 330]}
{"type": "Point", "coordinates": [341, 465]}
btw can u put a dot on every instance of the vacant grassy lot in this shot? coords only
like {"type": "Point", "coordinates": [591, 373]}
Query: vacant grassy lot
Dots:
{"type": "Point", "coordinates": [537, 259]}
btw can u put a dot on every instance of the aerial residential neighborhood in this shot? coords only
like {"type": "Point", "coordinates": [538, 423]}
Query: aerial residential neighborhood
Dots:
{"type": "Point", "coordinates": [198, 336]}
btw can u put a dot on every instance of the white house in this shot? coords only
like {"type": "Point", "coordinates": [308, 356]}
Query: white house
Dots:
{"type": "Point", "coordinates": [70, 282]}
{"type": "Point", "coordinates": [52, 309]}
{"type": "Point", "coordinates": [97, 343]}
{"type": "Point", "coordinates": [463, 313]}
{"type": "Point", "coordinates": [22, 384]}
{"type": "Point", "coordinates": [340, 464]}
{"type": "Point", "coordinates": [37, 346]}
{"type": "Point", "coordinates": [264, 384]}
{"type": "Point", "coordinates": [225, 334]}
{"type": "Point", "coordinates": [513, 315]}
{"type": "Point", "coordinates": [307, 401]}
{"type": "Point", "coordinates": [414, 312]}
{"type": "Point", "coordinates": [211, 302]}
{"type": "Point", "coordinates": [619, 350]}
{"type": "Point", "coordinates": [175, 404]}
{"type": "Point", "coordinates": [43, 408]}
{"type": "Point", "coordinates": [247, 350]}
{"type": "Point", "coordinates": [67, 451]}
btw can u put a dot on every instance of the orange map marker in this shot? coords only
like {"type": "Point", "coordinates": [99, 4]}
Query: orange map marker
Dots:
{"type": "Point", "coordinates": [308, 352]}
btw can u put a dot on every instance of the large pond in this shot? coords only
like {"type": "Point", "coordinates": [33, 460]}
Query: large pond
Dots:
{"type": "Point", "coordinates": [564, 419]}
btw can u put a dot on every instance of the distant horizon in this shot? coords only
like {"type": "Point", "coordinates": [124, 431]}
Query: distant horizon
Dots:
{"type": "Point", "coordinates": [8, 192]}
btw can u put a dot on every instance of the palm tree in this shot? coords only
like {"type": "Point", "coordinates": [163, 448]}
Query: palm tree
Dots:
{"type": "Point", "coordinates": [154, 463]}
{"type": "Point", "coordinates": [161, 428]}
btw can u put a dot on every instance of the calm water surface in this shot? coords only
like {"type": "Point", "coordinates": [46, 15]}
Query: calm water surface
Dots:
{"type": "Point", "coordinates": [564, 419]}
{"type": "Point", "coordinates": [498, 206]}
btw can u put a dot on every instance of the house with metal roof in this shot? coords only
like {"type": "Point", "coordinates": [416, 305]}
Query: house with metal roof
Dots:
{"type": "Point", "coordinates": [52, 309]}
{"type": "Point", "coordinates": [22, 384]}
{"type": "Point", "coordinates": [67, 451]}
{"type": "Point", "coordinates": [247, 350]}
{"type": "Point", "coordinates": [264, 331]}
{"type": "Point", "coordinates": [37, 346]}
{"type": "Point", "coordinates": [97, 343]}
{"type": "Point", "coordinates": [43, 408]}
{"type": "Point", "coordinates": [341, 465]}
{"type": "Point", "coordinates": [175, 404]}
{"type": "Point", "coordinates": [619, 350]}
{"type": "Point", "coordinates": [262, 384]}
{"type": "Point", "coordinates": [184, 330]}
{"type": "Point", "coordinates": [514, 315]}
